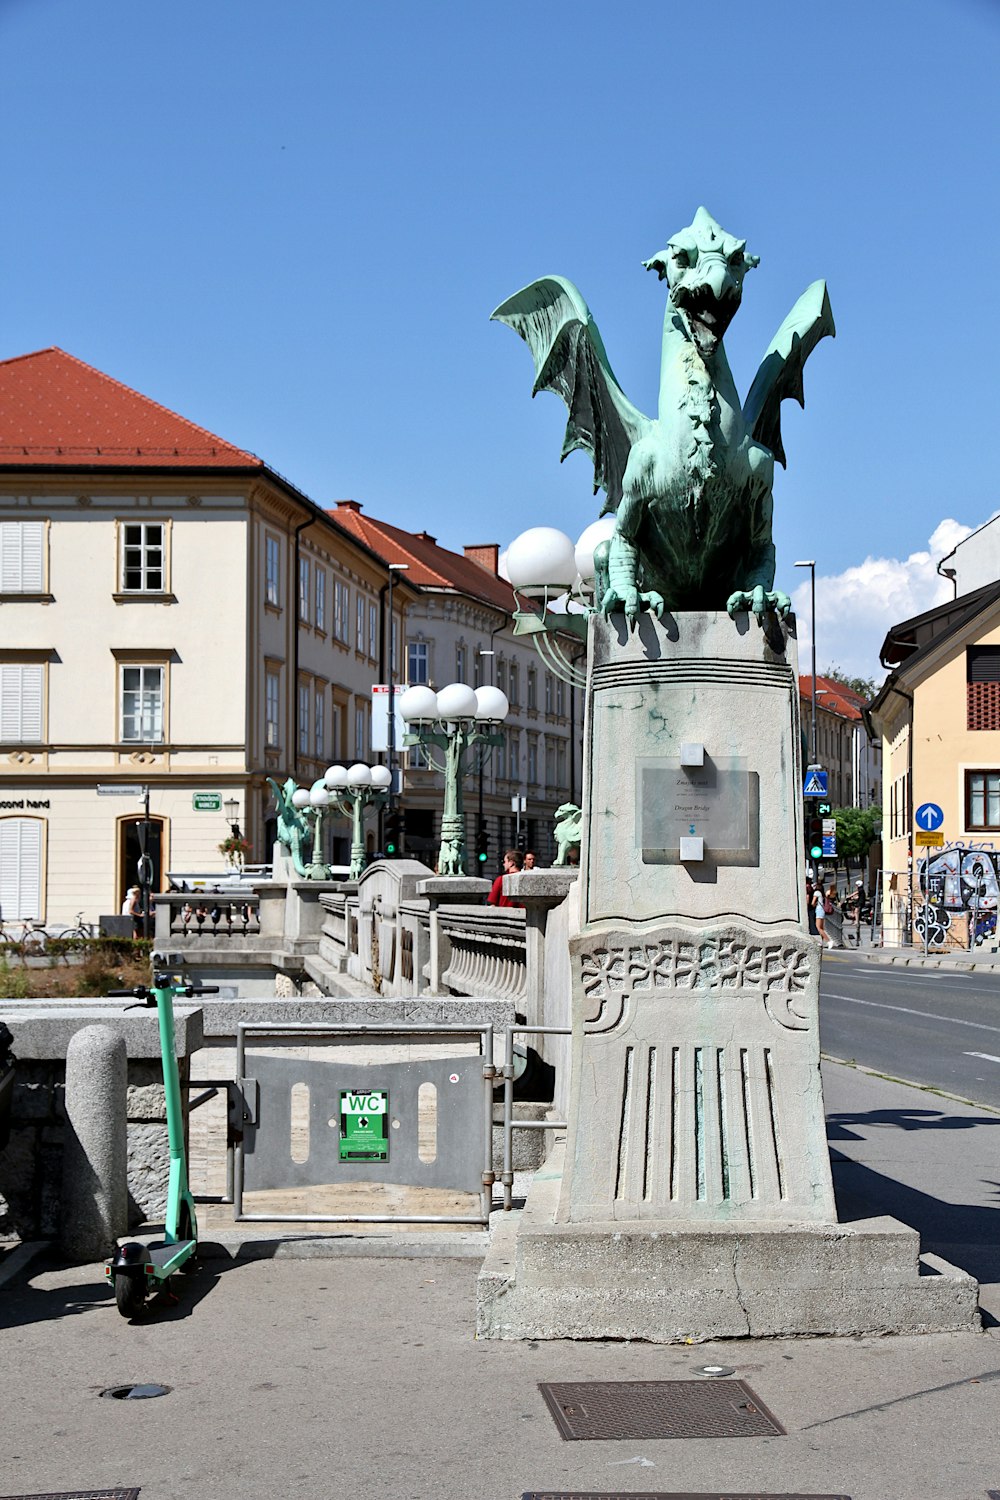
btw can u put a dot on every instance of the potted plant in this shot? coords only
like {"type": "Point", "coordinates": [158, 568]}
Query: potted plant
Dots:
{"type": "Point", "coordinates": [235, 848]}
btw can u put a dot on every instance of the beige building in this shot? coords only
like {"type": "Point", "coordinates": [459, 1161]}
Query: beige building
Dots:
{"type": "Point", "coordinates": [938, 714]}
{"type": "Point", "coordinates": [459, 629]}
{"type": "Point", "coordinates": [173, 616]}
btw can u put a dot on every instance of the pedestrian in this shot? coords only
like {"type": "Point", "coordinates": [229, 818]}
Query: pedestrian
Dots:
{"type": "Point", "coordinates": [513, 862]}
{"type": "Point", "coordinates": [810, 913]}
{"type": "Point", "coordinates": [529, 860]}
{"type": "Point", "coordinates": [834, 917]}
{"type": "Point", "coordinates": [132, 907]}
{"type": "Point", "coordinates": [817, 906]}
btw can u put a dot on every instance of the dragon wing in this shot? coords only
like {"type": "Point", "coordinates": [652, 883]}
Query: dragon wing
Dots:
{"type": "Point", "coordinates": [570, 359]}
{"type": "Point", "coordinates": [780, 372]}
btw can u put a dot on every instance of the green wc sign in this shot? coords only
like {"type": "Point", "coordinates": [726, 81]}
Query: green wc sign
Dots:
{"type": "Point", "coordinates": [364, 1125]}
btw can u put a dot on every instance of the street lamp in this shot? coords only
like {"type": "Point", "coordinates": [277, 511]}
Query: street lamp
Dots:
{"type": "Point", "coordinates": [312, 801]}
{"type": "Point", "coordinates": [458, 720]}
{"type": "Point", "coordinates": [352, 789]}
{"type": "Point", "coordinates": [231, 808]}
{"type": "Point", "coordinates": [811, 565]}
{"type": "Point", "coordinates": [394, 568]}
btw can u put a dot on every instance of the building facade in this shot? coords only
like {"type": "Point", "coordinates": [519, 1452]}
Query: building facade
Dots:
{"type": "Point", "coordinates": [173, 616]}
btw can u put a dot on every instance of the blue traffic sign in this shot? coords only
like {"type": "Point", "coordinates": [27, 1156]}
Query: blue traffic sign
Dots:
{"type": "Point", "coordinates": [816, 782]}
{"type": "Point", "coordinates": [829, 846]}
{"type": "Point", "coordinates": [928, 816]}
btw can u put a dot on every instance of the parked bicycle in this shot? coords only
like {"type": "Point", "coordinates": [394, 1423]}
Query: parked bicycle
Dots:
{"type": "Point", "coordinates": [80, 929]}
{"type": "Point", "coordinates": [28, 935]}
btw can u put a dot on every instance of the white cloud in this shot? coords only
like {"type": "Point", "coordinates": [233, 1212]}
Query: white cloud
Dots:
{"type": "Point", "coordinates": [854, 609]}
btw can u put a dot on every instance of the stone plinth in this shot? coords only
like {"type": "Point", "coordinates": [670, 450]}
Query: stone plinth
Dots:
{"type": "Point", "coordinates": [694, 1198]}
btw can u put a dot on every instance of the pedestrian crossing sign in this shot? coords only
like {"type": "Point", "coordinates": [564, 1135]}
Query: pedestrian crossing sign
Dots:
{"type": "Point", "coordinates": [816, 782]}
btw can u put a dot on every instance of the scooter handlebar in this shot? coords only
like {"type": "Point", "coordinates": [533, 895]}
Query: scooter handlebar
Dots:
{"type": "Point", "coordinates": [201, 989]}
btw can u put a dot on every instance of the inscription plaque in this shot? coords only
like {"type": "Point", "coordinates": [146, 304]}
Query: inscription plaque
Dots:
{"type": "Point", "coordinates": [718, 802]}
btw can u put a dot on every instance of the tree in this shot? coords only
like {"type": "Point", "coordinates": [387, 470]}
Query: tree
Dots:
{"type": "Point", "coordinates": [856, 830]}
{"type": "Point", "coordinates": [865, 687]}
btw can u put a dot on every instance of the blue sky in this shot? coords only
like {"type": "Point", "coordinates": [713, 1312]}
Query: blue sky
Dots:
{"type": "Point", "coordinates": [291, 222]}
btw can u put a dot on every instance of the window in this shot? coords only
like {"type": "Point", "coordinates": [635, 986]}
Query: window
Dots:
{"type": "Point", "coordinates": [418, 760]}
{"type": "Point", "coordinates": [341, 611]}
{"type": "Point", "coordinates": [272, 709]}
{"type": "Point", "coordinates": [304, 590]}
{"type": "Point", "coordinates": [532, 758]}
{"type": "Point", "coordinates": [550, 763]}
{"type": "Point", "coordinates": [416, 663]}
{"type": "Point", "coordinates": [319, 724]}
{"type": "Point", "coordinates": [22, 695]}
{"type": "Point", "coordinates": [982, 675]}
{"type": "Point", "coordinates": [532, 688]}
{"type": "Point", "coordinates": [142, 557]}
{"type": "Point", "coordinates": [514, 755]}
{"type": "Point", "coordinates": [395, 646]}
{"type": "Point", "coordinates": [304, 697]}
{"type": "Point", "coordinates": [549, 693]}
{"type": "Point", "coordinates": [561, 763]}
{"type": "Point", "coordinates": [982, 800]}
{"type": "Point", "coordinates": [359, 732]}
{"type": "Point", "coordinates": [142, 704]}
{"type": "Point", "coordinates": [461, 661]}
{"type": "Point", "coordinates": [272, 570]}
{"type": "Point", "coordinates": [500, 761]}
{"type": "Point", "coordinates": [20, 868]}
{"type": "Point", "coordinates": [502, 675]}
{"type": "Point", "coordinates": [359, 639]}
{"type": "Point", "coordinates": [477, 670]}
{"type": "Point", "coordinates": [22, 557]}
{"type": "Point", "coordinates": [560, 698]}
{"type": "Point", "coordinates": [373, 632]}
{"type": "Point", "coordinates": [319, 619]}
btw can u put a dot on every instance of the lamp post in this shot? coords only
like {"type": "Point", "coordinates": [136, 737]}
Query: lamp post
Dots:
{"type": "Point", "coordinates": [231, 808]}
{"type": "Point", "coordinates": [391, 682]}
{"type": "Point", "coordinates": [313, 801]}
{"type": "Point", "coordinates": [353, 789]}
{"type": "Point", "coordinates": [457, 721]}
{"type": "Point", "coordinates": [811, 565]}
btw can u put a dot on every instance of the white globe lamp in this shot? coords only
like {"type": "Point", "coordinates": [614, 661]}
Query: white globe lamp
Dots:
{"type": "Point", "coordinates": [418, 703]}
{"type": "Point", "coordinates": [381, 777]}
{"type": "Point", "coordinates": [300, 798]}
{"type": "Point", "coordinates": [359, 775]}
{"type": "Point", "coordinates": [539, 558]}
{"type": "Point", "coordinates": [583, 553]}
{"type": "Point", "coordinates": [491, 704]}
{"type": "Point", "coordinates": [456, 701]}
{"type": "Point", "coordinates": [336, 778]}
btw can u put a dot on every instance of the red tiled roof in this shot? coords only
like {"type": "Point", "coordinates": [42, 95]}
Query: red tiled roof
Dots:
{"type": "Point", "coordinates": [428, 564]}
{"type": "Point", "coordinates": [56, 411]}
{"type": "Point", "coordinates": [836, 697]}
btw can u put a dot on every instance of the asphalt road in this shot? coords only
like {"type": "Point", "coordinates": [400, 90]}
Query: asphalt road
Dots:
{"type": "Point", "coordinates": [925, 1026]}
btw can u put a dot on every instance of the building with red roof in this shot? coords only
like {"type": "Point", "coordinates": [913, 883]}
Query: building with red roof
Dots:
{"type": "Point", "coordinates": [173, 614]}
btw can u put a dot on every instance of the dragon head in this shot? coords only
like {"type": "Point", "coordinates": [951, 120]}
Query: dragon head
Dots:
{"type": "Point", "coordinates": [704, 268]}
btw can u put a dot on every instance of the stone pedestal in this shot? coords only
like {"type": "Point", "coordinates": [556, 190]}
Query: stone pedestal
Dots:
{"type": "Point", "coordinates": [694, 1196]}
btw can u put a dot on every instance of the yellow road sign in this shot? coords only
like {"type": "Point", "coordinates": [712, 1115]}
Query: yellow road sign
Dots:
{"type": "Point", "coordinates": [931, 840]}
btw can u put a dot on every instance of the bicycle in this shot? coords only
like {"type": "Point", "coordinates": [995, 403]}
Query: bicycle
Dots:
{"type": "Point", "coordinates": [81, 929]}
{"type": "Point", "coordinates": [30, 940]}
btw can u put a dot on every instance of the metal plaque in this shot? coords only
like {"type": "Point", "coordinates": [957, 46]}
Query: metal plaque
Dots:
{"type": "Point", "coordinates": [364, 1125]}
{"type": "Point", "coordinates": [604, 1410]}
{"type": "Point", "coordinates": [717, 802]}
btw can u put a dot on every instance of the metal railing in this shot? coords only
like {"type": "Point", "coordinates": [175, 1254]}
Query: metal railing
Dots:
{"type": "Point", "coordinates": [509, 1123]}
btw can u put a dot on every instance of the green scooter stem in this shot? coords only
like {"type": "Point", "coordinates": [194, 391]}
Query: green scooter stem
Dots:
{"type": "Point", "coordinates": [178, 1191]}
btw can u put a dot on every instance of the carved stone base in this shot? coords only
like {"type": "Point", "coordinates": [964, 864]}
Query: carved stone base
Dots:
{"type": "Point", "coordinates": [669, 1282]}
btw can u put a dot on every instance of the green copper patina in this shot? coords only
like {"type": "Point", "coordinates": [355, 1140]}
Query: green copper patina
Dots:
{"type": "Point", "coordinates": [293, 826]}
{"type": "Point", "coordinates": [691, 489]}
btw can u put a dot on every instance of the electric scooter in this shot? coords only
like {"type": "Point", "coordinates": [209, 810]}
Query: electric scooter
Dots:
{"type": "Point", "coordinates": [139, 1270]}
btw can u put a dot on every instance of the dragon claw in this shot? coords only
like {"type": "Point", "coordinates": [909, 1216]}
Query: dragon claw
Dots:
{"type": "Point", "coordinates": [759, 601]}
{"type": "Point", "coordinates": [633, 602]}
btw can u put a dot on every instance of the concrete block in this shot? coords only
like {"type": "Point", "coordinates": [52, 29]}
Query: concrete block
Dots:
{"type": "Point", "coordinates": [94, 1148]}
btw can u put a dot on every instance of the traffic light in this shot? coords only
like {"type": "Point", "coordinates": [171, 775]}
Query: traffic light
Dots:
{"type": "Point", "coordinates": [814, 831]}
{"type": "Point", "coordinates": [482, 843]}
{"type": "Point", "coordinates": [394, 829]}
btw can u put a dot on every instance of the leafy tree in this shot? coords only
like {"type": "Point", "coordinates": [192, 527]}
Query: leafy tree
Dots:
{"type": "Point", "coordinates": [856, 830]}
{"type": "Point", "coordinates": [865, 687]}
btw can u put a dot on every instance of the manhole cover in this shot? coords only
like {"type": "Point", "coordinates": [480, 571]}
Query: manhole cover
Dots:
{"type": "Point", "coordinates": [78, 1495]}
{"type": "Point", "coordinates": [134, 1393]}
{"type": "Point", "coordinates": [635, 1409]}
{"type": "Point", "coordinates": [675, 1495]}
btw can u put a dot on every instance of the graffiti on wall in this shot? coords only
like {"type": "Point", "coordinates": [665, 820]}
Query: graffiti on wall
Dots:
{"type": "Point", "coordinates": [963, 880]}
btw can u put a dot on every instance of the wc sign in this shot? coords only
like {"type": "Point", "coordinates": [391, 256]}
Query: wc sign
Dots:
{"type": "Point", "coordinates": [364, 1125]}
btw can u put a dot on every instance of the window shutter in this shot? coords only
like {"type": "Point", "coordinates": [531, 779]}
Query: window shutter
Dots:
{"type": "Point", "coordinates": [21, 557]}
{"type": "Point", "coordinates": [20, 868]}
{"type": "Point", "coordinates": [21, 693]}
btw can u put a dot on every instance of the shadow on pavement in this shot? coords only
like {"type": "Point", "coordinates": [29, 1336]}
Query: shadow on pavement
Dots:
{"type": "Point", "coordinates": [838, 1125]}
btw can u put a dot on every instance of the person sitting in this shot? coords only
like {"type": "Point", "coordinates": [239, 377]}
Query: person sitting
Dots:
{"type": "Point", "coordinates": [513, 863]}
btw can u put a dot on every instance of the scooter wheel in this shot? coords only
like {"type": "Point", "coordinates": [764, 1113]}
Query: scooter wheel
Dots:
{"type": "Point", "coordinates": [130, 1295]}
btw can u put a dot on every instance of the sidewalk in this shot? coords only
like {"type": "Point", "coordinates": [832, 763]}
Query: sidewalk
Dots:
{"type": "Point", "coordinates": [359, 1376]}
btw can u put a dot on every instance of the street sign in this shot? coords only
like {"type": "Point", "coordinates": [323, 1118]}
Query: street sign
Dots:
{"type": "Point", "coordinates": [928, 816]}
{"type": "Point", "coordinates": [829, 846]}
{"type": "Point", "coordinates": [206, 801]}
{"type": "Point", "coordinates": [364, 1125]}
{"type": "Point", "coordinates": [929, 840]}
{"type": "Point", "coordinates": [380, 717]}
{"type": "Point", "coordinates": [113, 789]}
{"type": "Point", "coordinates": [519, 804]}
{"type": "Point", "coordinates": [816, 782]}
{"type": "Point", "coordinates": [829, 828]}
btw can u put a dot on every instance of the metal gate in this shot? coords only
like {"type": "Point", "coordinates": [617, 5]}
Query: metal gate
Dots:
{"type": "Point", "coordinates": [343, 1125]}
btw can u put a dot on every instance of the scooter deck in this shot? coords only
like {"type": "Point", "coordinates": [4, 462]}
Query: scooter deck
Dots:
{"type": "Point", "coordinates": [167, 1258]}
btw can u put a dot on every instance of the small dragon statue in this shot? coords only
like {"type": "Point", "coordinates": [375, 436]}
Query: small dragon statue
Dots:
{"type": "Point", "coordinates": [691, 489]}
{"type": "Point", "coordinates": [293, 828]}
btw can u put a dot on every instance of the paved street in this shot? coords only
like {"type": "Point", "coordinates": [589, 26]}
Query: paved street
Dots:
{"type": "Point", "coordinates": [927, 1026]}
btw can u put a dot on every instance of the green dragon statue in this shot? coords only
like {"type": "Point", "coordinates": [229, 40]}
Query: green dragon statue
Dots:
{"type": "Point", "coordinates": [691, 489]}
{"type": "Point", "coordinates": [293, 827]}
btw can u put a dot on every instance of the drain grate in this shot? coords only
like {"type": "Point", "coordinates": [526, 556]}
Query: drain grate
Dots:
{"type": "Point", "coordinates": [675, 1495]}
{"type": "Point", "coordinates": [609, 1410]}
{"type": "Point", "coordinates": [127, 1494]}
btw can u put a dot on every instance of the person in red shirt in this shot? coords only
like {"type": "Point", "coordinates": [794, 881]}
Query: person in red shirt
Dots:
{"type": "Point", "coordinates": [513, 863]}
